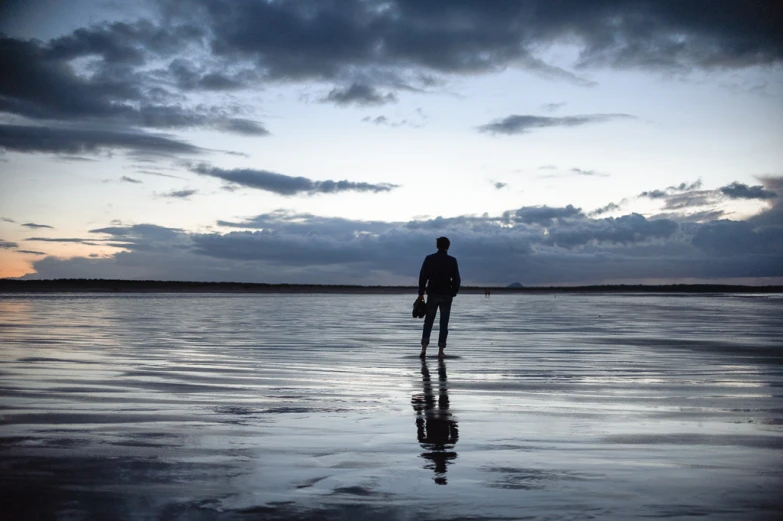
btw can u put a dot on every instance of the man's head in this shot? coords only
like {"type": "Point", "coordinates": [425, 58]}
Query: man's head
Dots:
{"type": "Point", "coordinates": [443, 243]}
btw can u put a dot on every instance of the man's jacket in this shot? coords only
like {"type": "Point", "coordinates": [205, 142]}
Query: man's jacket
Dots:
{"type": "Point", "coordinates": [441, 271]}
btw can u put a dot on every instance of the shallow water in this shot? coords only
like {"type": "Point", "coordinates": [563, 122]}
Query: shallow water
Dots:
{"type": "Point", "coordinates": [167, 406]}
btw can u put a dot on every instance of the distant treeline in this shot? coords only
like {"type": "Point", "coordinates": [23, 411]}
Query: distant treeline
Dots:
{"type": "Point", "coordinates": [161, 286]}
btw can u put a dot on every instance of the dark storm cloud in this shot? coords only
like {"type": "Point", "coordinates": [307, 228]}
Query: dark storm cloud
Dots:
{"type": "Point", "coordinates": [141, 74]}
{"type": "Point", "coordinates": [191, 77]}
{"type": "Point", "coordinates": [38, 85]}
{"type": "Point", "coordinates": [7, 245]}
{"type": "Point", "coordinates": [742, 191]}
{"type": "Point", "coordinates": [359, 94]}
{"type": "Point", "coordinates": [739, 238]}
{"type": "Point", "coordinates": [42, 82]}
{"type": "Point", "coordinates": [543, 215]}
{"type": "Point", "coordinates": [628, 229]}
{"type": "Point", "coordinates": [516, 124]}
{"type": "Point", "coordinates": [542, 246]}
{"type": "Point", "coordinates": [287, 185]}
{"type": "Point", "coordinates": [34, 226]}
{"type": "Point", "coordinates": [30, 139]}
{"type": "Point", "coordinates": [309, 39]}
{"type": "Point", "coordinates": [122, 43]}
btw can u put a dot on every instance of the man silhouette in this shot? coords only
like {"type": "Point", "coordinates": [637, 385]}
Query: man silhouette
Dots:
{"type": "Point", "coordinates": [439, 278]}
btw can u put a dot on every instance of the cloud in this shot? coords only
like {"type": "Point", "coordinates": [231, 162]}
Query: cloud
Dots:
{"type": "Point", "coordinates": [499, 186]}
{"type": "Point", "coordinates": [314, 39]}
{"type": "Point", "coordinates": [686, 203]}
{"type": "Point", "coordinates": [287, 185]}
{"type": "Point", "coordinates": [126, 179]}
{"type": "Point", "coordinates": [379, 120]}
{"type": "Point", "coordinates": [589, 173]}
{"type": "Point", "coordinates": [7, 245]}
{"type": "Point", "coordinates": [611, 207]}
{"type": "Point", "coordinates": [119, 89]}
{"type": "Point", "coordinates": [742, 191]}
{"type": "Point", "coordinates": [552, 107]}
{"type": "Point", "coordinates": [628, 229]}
{"type": "Point", "coordinates": [33, 139]}
{"type": "Point", "coordinates": [654, 194]}
{"type": "Point", "coordinates": [153, 73]}
{"type": "Point", "coordinates": [734, 237]}
{"type": "Point", "coordinates": [31, 252]}
{"type": "Point", "coordinates": [516, 124]}
{"type": "Point", "coordinates": [88, 242]}
{"type": "Point", "coordinates": [242, 126]}
{"type": "Point", "coordinates": [6, 219]}
{"type": "Point", "coordinates": [37, 226]}
{"type": "Point", "coordinates": [773, 216]}
{"type": "Point", "coordinates": [417, 121]}
{"type": "Point", "coordinates": [358, 94]}
{"type": "Point", "coordinates": [158, 174]}
{"type": "Point", "coordinates": [680, 199]}
{"type": "Point", "coordinates": [682, 187]}
{"type": "Point", "coordinates": [543, 215]}
{"type": "Point", "coordinates": [694, 198]}
{"type": "Point", "coordinates": [180, 194]}
{"type": "Point", "coordinates": [535, 245]}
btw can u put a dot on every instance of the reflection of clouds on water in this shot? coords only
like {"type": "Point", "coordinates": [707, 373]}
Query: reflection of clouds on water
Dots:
{"type": "Point", "coordinates": [435, 425]}
{"type": "Point", "coordinates": [287, 407]}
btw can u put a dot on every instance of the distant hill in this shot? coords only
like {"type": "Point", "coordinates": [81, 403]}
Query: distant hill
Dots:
{"type": "Point", "coordinates": [515, 285]}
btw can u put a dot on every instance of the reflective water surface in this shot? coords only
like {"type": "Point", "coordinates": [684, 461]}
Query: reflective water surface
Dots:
{"type": "Point", "coordinates": [158, 406]}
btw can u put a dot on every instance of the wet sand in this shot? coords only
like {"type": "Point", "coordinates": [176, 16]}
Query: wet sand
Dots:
{"type": "Point", "coordinates": [153, 406]}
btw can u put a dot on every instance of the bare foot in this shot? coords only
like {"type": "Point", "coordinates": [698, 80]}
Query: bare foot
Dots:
{"type": "Point", "coordinates": [423, 354]}
{"type": "Point", "coordinates": [441, 354]}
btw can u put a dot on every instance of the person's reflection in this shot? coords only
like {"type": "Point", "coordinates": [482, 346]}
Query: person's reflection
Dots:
{"type": "Point", "coordinates": [436, 427]}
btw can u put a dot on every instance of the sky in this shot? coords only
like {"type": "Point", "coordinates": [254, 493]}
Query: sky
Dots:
{"type": "Point", "coordinates": [555, 142]}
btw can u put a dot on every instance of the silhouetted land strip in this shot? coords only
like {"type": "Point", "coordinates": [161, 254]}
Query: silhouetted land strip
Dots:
{"type": "Point", "coordinates": [160, 286]}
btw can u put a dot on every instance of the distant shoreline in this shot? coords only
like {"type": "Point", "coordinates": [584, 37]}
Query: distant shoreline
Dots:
{"type": "Point", "coordinates": [157, 286]}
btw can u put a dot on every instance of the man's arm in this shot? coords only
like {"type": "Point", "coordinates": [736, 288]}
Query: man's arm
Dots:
{"type": "Point", "coordinates": [423, 276]}
{"type": "Point", "coordinates": [456, 281]}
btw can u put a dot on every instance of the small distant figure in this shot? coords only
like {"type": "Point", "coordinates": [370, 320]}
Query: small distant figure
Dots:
{"type": "Point", "coordinates": [439, 278]}
{"type": "Point", "coordinates": [486, 293]}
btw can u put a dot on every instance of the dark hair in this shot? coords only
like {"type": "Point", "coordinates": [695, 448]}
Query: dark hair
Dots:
{"type": "Point", "coordinates": [443, 243]}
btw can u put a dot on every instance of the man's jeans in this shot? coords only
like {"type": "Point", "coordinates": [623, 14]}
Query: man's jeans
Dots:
{"type": "Point", "coordinates": [433, 303]}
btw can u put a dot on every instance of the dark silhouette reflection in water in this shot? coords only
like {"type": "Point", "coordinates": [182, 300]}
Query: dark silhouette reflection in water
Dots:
{"type": "Point", "coordinates": [436, 427]}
